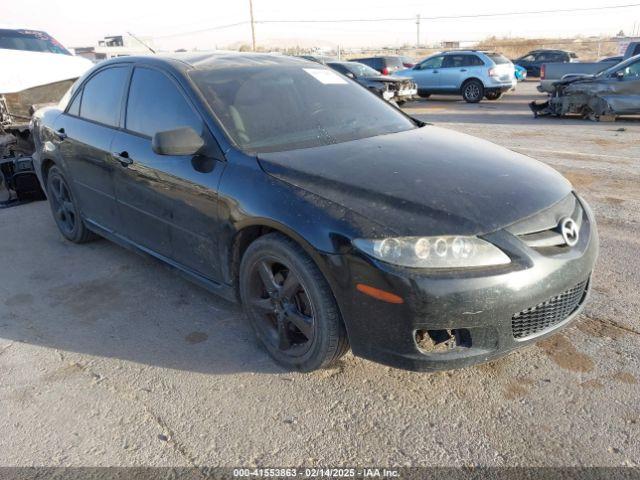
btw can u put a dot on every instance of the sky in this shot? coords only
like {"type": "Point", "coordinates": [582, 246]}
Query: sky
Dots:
{"type": "Point", "coordinates": [83, 22]}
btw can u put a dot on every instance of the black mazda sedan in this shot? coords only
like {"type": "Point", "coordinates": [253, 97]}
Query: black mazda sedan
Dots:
{"type": "Point", "coordinates": [334, 218]}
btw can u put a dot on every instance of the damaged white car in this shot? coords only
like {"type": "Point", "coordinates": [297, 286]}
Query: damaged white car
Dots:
{"type": "Point", "coordinates": [604, 96]}
{"type": "Point", "coordinates": [35, 70]}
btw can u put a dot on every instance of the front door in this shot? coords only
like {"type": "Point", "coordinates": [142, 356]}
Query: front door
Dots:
{"type": "Point", "coordinates": [427, 74]}
{"type": "Point", "coordinates": [168, 204]}
{"type": "Point", "coordinates": [623, 92]}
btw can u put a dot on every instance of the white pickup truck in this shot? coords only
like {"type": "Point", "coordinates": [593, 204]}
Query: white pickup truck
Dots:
{"type": "Point", "coordinates": [551, 73]}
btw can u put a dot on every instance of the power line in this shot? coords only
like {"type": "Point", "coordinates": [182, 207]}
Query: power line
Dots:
{"type": "Point", "coordinates": [401, 19]}
{"type": "Point", "coordinates": [202, 30]}
{"type": "Point", "coordinates": [453, 17]}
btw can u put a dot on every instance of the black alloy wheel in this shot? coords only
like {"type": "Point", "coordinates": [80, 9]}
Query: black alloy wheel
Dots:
{"type": "Point", "coordinates": [290, 305]}
{"type": "Point", "coordinates": [65, 211]}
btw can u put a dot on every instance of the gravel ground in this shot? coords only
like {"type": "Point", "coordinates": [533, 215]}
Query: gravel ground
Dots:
{"type": "Point", "coordinates": [107, 358]}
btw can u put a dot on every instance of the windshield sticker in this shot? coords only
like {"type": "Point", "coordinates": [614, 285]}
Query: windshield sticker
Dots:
{"type": "Point", "coordinates": [327, 77]}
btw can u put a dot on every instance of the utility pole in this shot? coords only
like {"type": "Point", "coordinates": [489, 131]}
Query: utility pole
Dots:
{"type": "Point", "coordinates": [253, 27]}
{"type": "Point", "coordinates": [418, 31]}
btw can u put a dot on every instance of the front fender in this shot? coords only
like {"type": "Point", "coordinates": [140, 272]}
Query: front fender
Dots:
{"type": "Point", "coordinates": [249, 197]}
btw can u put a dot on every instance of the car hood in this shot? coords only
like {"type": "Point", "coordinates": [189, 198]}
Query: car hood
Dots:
{"type": "Point", "coordinates": [425, 181]}
{"type": "Point", "coordinates": [32, 69]}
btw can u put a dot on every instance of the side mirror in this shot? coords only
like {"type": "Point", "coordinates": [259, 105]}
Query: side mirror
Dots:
{"type": "Point", "coordinates": [180, 141]}
{"type": "Point", "coordinates": [417, 67]}
{"type": "Point", "coordinates": [350, 75]}
{"type": "Point", "coordinates": [619, 75]}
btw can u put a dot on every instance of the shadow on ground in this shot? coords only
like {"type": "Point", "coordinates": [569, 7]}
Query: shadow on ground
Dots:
{"type": "Point", "coordinates": [102, 300]}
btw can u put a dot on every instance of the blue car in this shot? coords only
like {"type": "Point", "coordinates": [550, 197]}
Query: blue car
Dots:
{"type": "Point", "coordinates": [471, 73]}
{"type": "Point", "coordinates": [521, 73]}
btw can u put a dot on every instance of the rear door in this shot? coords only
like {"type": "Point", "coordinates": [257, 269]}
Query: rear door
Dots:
{"type": "Point", "coordinates": [85, 132]}
{"type": "Point", "coordinates": [168, 204]}
{"type": "Point", "coordinates": [456, 69]}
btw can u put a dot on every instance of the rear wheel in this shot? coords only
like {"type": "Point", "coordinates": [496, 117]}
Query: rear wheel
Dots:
{"type": "Point", "coordinates": [473, 91]}
{"type": "Point", "coordinates": [493, 95]}
{"type": "Point", "coordinates": [65, 209]}
{"type": "Point", "coordinates": [290, 305]}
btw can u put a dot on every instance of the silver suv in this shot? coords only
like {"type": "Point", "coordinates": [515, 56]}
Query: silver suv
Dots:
{"type": "Point", "coordinates": [470, 73]}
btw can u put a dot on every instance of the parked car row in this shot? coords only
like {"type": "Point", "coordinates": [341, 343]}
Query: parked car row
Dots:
{"type": "Point", "coordinates": [473, 74]}
{"type": "Point", "coordinates": [551, 73]}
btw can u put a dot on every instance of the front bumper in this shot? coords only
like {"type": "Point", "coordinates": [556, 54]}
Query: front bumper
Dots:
{"type": "Point", "coordinates": [477, 305]}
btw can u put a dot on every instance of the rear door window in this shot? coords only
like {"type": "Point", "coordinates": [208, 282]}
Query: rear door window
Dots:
{"type": "Point", "coordinates": [462, 60]}
{"type": "Point", "coordinates": [155, 105]}
{"type": "Point", "coordinates": [393, 62]}
{"type": "Point", "coordinates": [367, 61]}
{"type": "Point", "coordinates": [102, 96]}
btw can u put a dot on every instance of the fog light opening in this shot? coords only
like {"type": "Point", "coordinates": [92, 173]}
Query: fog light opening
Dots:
{"type": "Point", "coordinates": [441, 341]}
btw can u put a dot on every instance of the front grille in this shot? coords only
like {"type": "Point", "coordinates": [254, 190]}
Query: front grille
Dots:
{"type": "Point", "coordinates": [547, 314]}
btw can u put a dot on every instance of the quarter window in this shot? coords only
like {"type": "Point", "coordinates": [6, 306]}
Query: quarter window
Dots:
{"type": "Point", "coordinates": [74, 108]}
{"type": "Point", "coordinates": [156, 105]}
{"type": "Point", "coordinates": [102, 96]}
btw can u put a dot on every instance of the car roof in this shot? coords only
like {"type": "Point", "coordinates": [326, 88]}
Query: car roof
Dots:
{"type": "Point", "coordinates": [211, 60]}
{"type": "Point", "coordinates": [555, 50]}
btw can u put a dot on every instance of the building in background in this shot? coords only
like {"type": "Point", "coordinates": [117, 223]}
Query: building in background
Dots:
{"type": "Point", "coordinates": [116, 46]}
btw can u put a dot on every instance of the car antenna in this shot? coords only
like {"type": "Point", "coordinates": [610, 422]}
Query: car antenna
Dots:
{"type": "Point", "coordinates": [136, 38]}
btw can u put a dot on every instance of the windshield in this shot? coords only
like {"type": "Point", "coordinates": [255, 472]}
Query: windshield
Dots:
{"type": "Point", "coordinates": [30, 41]}
{"type": "Point", "coordinates": [361, 70]}
{"type": "Point", "coordinates": [278, 108]}
{"type": "Point", "coordinates": [619, 66]}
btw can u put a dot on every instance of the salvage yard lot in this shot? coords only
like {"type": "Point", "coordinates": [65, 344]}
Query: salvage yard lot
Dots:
{"type": "Point", "coordinates": [108, 358]}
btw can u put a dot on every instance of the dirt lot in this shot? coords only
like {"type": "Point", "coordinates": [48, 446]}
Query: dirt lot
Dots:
{"type": "Point", "coordinates": [108, 358]}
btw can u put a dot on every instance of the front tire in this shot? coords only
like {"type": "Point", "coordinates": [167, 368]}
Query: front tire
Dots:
{"type": "Point", "coordinates": [290, 305]}
{"type": "Point", "coordinates": [473, 91]}
{"type": "Point", "coordinates": [65, 208]}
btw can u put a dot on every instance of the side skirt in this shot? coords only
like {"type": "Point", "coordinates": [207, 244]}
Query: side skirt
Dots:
{"type": "Point", "coordinates": [223, 290]}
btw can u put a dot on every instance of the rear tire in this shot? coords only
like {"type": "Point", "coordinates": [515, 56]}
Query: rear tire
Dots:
{"type": "Point", "coordinates": [65, 210]}
{"type": "Point", "coordinates": [473, 91]}
{"type": "Point", "coordinates": [290, 305]}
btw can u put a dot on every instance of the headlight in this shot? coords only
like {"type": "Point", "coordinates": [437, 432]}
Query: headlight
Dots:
{"type": "Point", "coordinates": [434, 252]}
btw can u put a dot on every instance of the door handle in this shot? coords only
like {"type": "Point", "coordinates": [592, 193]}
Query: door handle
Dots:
{"type": "Point", "coordinates": [435, 71]}
{"type": "Point", "coordinates": [463, 69]}
{"type": "Point", "coordinates": [123, 158]}
{"type": "Point", "coordinates": [60, 134]}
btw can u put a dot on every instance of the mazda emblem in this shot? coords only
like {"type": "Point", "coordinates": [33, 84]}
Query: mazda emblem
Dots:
{"type": "Point", "coordinates": [569, 231]}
